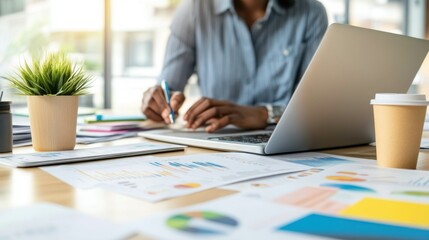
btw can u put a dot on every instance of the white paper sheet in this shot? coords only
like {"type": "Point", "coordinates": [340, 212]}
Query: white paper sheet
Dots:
{"type": "Point", "coordinates": [87, 154]}
{"type": "Point", "coordinates": [234, 217]}
{"type": "Point", "coordinates": [374, 175]}
{"type": "Point", "coordinates": [312, 205]}
{"type": "Point", "coordinates": [52, 222]}
{"type": "Point", "coordinates": [318, 161]}
{"type": "Point", "coordinates": [155, 179]}
{"type": "Point", "coordinates": [339, 187]}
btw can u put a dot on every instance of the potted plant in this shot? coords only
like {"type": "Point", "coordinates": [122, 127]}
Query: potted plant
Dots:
{"type": "Point", "coordinates": [52, 85]}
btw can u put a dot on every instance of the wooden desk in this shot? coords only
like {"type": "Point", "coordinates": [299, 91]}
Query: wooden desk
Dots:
{"type": "Point", "coordinates": [25, 186]}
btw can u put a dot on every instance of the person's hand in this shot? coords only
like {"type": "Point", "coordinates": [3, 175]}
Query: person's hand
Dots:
{"type": "Point", "coordinates": [155, 107]}
{"type": "Point", "coordinates": [216, 114]}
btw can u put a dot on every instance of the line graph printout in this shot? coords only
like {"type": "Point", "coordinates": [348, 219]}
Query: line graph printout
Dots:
{"type": "Point", "coordinates": [154, 179]}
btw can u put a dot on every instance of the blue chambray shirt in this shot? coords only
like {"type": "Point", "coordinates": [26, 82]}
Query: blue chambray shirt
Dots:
{"type": "Point", "coordinates": [247, 66]}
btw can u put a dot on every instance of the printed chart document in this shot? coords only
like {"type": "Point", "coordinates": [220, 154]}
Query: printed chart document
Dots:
{"type": "Point", "coordinates": [339, 201]}
{"type": "Point", "coordinates": [373, 176]}
{"type": "Point", "coordinates": [241, 217]}
{"type": "Point", "coordinates": [232, 217]}
{"type": "Point", "coordinates": [88, 154]}
{"type": "Point", "coordinates": [360, 191]}
{"type": "Point", "coordinates": [318, 162]}
{"type": "Point", "coordinates": [51, 222]}
{"type": "Point", "coordinates": [155, 179]}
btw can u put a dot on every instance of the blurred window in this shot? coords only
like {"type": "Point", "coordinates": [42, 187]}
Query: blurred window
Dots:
{"type": "Point", "coordinates": [11, 6]}
{"type": "Point", "coordinates": [140, 29]}
{"type": "Point", "coordinates": [139, 50]}
{"type": "Point", "coordinates": [386, 15]}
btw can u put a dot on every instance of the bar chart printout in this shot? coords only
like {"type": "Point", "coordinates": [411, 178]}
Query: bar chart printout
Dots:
{"type": "Point", "coordinates": [155, 170]}
{"type": "Point", "coordinates": [155, 179]}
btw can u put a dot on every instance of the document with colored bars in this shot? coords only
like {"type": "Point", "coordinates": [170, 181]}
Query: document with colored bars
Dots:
{"type": "Point", "coordinates": [156, 178]}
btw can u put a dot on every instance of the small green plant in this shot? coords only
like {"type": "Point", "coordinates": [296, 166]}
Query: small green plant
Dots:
{"type": "Point", "coordinates": [53, 75]}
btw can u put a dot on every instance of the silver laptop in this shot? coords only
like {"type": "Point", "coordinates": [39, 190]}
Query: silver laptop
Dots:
{"type": "Point", "coordinates": [331, 105]}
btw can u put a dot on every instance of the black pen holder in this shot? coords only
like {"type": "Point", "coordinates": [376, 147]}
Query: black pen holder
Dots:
{"type": "Point", "coordinates": [6, 140]}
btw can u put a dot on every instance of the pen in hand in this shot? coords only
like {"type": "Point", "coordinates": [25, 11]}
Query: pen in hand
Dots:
{"type": "Point", "coordinates": [164, 87]}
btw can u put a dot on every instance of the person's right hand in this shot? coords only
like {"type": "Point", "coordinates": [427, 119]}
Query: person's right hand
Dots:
{"type": "Point", "coordinates": [155, 107]}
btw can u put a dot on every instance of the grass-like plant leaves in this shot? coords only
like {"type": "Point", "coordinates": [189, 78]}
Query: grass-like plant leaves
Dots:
{"type": "Point", "coordinates": [52, 76]}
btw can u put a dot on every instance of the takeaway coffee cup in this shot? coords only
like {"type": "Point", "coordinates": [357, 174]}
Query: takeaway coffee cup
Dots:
{"type": "Point", "coordinates": [399, 120]}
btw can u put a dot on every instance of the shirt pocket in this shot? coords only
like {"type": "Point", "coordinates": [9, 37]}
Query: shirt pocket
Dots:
{"type": "Point", "coordinates": [283, 66]}
{"type": "Point", "coordinates": [285, 62]}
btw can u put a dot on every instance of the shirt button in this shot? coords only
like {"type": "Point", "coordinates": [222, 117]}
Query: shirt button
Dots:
{"type": "Point", "coordinates": [258, 26]}
{"type": "Point", "coordinates": [286, 52]}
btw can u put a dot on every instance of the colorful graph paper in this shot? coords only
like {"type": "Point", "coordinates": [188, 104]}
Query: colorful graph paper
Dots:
{"type": "Point", "coordinates": [343, 228]}
{"type": "Point", "coordinates": [390, 211]}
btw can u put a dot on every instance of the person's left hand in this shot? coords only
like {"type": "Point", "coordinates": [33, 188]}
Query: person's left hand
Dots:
{"type": "Point", "coordinates": [216, 114]}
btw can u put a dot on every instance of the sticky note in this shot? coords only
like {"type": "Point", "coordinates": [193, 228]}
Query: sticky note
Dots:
{"type": "Point", "coordinates": [392, 211]}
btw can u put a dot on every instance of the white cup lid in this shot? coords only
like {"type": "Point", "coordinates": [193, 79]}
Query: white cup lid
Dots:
{"type": "Point", "coordinates": [400, 99]}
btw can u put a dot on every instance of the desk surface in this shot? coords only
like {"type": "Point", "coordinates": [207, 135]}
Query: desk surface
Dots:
{"type": "Point", "coordinates": [22, 187]}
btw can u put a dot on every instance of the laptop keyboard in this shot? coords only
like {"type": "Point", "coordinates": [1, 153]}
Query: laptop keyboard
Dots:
{"type": "Point", "coordinates": [251, 139]}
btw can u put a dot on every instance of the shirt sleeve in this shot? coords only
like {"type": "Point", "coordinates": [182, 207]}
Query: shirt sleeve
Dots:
{"type": "Point", "coordinates": [316, 28]}
{"type": "Point", "coordinates": [179, 61]}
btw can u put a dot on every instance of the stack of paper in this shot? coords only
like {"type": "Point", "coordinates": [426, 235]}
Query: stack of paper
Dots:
{"type": "Point", "coordinates": [101, 118]}
{"type": "Point", "coordinates": [21, 135]}
{"type": "Point", "coordinates": [116, 127]}
{"type": "Point", "coordinates": [111, 128]}
{"type": "Point", "coordinates": [106, 131]}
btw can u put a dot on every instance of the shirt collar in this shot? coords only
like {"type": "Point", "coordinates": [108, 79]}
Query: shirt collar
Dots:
{"type": "Point", "coordinates": [222, 6]}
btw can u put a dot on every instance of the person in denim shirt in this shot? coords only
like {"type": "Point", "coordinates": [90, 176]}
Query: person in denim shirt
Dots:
{"type": "Point", "coordinates": [247, 54]}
